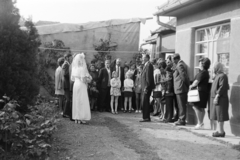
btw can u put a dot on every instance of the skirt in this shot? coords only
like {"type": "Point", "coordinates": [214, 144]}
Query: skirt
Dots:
{"type": "Point", "coordinates": [219, 112]}
{"type": "Point", "coordinates": [128, 94]}
{"type": "Point", "coordinates": [157, 94]}
{"type": "Point", "coordinates": [203, 100]}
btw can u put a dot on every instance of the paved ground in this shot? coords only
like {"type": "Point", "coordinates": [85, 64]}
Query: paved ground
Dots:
{"type": "Point", "coordinates": [122, 137]}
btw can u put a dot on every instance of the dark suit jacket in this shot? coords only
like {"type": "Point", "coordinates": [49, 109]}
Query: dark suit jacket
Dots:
{"type": "Point", "coordinates": [121, 76]}
{"type": "Point", "coordinates": [180, 78]}
{"type": "Point", "coordinates": [103, 78]}
{"type": "Point", "coordinates": [147, 80]}
{"type": "Point", "coordinates": [71, 82]}
{"type": "Point", "coordinates": [66, 76]}
{"type": "Point", "coordinates": [135, 75]}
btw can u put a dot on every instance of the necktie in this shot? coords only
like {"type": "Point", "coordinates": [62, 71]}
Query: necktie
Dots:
{"type": "Point", "coordinates": [109, 76]}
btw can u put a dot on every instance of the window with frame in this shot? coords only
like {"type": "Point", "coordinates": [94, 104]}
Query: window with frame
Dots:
{"type": "Point", "coordinates": [214, 43]}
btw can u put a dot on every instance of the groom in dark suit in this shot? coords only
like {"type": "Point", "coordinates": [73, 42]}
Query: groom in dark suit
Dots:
{"type": "Point", "coordinates": [147, 83]}
{"type": "Point", "coordinates": [67, 112]}
{"type": "Point", "coordinates": [104, 79]}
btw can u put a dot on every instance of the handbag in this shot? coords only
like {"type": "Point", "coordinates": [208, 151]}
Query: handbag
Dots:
{"type": "Point", "coordinates": [193, 96]}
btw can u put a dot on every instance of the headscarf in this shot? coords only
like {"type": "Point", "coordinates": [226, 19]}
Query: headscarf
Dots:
{"type": "Point", "coordinates": [218, 68]}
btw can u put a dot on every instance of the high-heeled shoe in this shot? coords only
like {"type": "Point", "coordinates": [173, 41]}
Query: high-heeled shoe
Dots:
{"type": "Point", "coordinates": [199, 126]}
{"type": "Point", "coordinates": [217, 134]}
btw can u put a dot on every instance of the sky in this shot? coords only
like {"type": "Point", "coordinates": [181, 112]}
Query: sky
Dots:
{"type": "Point", "coordinates": [82, 11]}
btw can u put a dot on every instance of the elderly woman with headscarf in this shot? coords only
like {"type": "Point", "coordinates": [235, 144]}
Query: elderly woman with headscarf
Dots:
{"type": "Point", "coordinates": [219, 99]}
{"type": "Point", "coordinates": [201, 83]}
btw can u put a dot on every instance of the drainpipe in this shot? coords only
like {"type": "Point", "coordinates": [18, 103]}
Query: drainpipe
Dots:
{"type": "Point", "coordinates": [165, 24]}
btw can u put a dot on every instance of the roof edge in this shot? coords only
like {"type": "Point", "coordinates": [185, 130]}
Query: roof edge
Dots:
{"type": "Point", "coordinates": [166, 8]}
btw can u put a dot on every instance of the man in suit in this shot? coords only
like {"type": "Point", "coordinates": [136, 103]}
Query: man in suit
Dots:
{"type": "Point", "coordinates": [147, 83]}
{"type": "Point", "coordinates": [181, 87]}
{"type": "Point", "coordinates": [67, 106]}
{"type": "Point", "coordinates": [120, 72]}
{"type": "Point", "coordinates": [59, 83]}
{"type": "Point", "coordinates": [104, 79]}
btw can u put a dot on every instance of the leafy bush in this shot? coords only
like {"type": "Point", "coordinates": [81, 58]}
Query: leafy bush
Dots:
{"type": "Point", "coordinates": [18, 55]}
{"type": "Point", "coordinates": [104, 49]}
{"type": "Point", "coordinates": [27, 136]}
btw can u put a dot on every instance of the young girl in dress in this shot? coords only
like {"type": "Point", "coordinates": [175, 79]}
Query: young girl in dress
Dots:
{"type": "Point", "coordinates": [128, 91]}
{"type": "Point", "coordinates": [115, 91]}
{"type": "Point", "coordinates": [138, 89]}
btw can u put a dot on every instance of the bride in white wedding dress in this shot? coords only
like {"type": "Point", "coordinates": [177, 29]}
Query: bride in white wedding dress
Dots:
{"type": "Point", "coordinates": [80, 103]}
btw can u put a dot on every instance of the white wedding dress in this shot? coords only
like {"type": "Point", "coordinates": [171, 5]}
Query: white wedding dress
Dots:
{"type": "Point", "coordinates": [80, 102]}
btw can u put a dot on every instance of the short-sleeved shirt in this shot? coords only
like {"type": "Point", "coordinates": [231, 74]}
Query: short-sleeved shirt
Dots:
{"type": "Point", "coordinates": [203, 78]}
{"type": "Point", "coordinates": [128, 85]}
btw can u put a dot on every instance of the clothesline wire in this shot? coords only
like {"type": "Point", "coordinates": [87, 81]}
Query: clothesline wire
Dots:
{"type": "Point", "coordinates": [74, 50]}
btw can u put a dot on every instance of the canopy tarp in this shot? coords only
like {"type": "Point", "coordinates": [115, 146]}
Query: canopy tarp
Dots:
{"type": "Point", "coordinates": [123, 32]}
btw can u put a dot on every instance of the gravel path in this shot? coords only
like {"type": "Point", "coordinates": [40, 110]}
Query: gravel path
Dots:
{"type": "Point", "coordinates": [122, 137]}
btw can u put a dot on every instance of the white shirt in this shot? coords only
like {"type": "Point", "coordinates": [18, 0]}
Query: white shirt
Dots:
{"type": "Point", "coordinates": [128, 85]}
{"type": "Point", "coordinates": [118, 70]}
{"type": "Point", "coordinates": [109, 76]}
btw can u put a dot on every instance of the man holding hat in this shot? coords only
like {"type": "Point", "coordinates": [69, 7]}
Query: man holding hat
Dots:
{"type": "Point", "coordinates": [181, 87]}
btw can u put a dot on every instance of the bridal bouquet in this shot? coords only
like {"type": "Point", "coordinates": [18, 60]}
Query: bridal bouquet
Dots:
{"type": "Point", "coordinates": [87, 79]}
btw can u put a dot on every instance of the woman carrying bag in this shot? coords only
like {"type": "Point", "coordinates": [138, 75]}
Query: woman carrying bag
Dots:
{"type": "Point", "coordinates": [201, 84]}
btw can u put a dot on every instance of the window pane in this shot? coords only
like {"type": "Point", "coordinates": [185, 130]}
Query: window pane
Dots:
{"type": "Point", "coordinates": [197, 60]}
{"type": "Point", "coordinates": [223, 46]}
{"type": "Point", "coordinates": [201, 35]}
{"type": "Point", "coordinates": [224, 59]}
{"type": "Point", "coordinates": [209, 34]}
{"type": "Point", "coordinates": [217, 32]}
{"type": "Point", "coordinates": [225, 32]}
{"type": "Point", "coordinates": [202, 48]}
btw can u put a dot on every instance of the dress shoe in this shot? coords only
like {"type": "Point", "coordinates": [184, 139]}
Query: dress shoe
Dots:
{"type": "Point", "coordinates": [65, 116]}
{"type": "Point", "coordinates": [171, 121]}
{"type": "Point", "coordinates": [180, 123]}
{"type": "Point", "coordinates": [163, 121]}
{"type": "Point", "coordinates": [145, 120]}
{"type": "Point", "coordinates": [155, 114]}
{"type": "Point", "coordinates": [217, 134]}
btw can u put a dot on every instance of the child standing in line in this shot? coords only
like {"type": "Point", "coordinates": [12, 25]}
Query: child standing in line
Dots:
{"type": "Point", "coordinates": [138, 89]}
{"type": "Point", "coordinates": [115, 91]}
{"type": "Point", "coordinates": [128, 91]}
